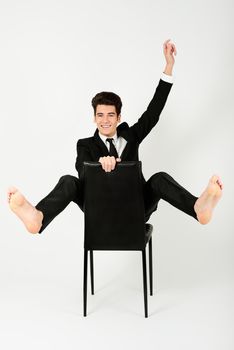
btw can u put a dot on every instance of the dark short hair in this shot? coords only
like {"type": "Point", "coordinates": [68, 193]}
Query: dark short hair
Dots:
{"type": "Point", "coordinates": [107, 98]}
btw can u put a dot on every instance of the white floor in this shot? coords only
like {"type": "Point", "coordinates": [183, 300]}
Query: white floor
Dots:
{"type": "Point", "coordinates": [46, 313]}
{"type": "Point", "coordinates": [41, 301]}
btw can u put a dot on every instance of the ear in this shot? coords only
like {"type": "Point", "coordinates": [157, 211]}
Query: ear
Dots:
{"type": "Point", "coordinates": [119, 118]}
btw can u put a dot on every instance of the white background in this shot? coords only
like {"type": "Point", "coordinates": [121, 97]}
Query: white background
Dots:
{"type": "Point", "coordinates": [55, 56]}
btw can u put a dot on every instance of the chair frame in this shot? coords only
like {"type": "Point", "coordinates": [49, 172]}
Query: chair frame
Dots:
{"type": "Point", "coordinates": [144, 268]}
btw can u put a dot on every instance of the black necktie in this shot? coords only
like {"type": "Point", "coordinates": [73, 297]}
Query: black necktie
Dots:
{"type": "Point", "coordinates": [112, 151]}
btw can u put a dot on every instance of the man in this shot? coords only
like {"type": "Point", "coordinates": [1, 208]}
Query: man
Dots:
{"type": "Point", "coordinates": [110, 144]}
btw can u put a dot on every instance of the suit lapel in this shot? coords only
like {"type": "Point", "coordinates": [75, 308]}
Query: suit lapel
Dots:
{"type": "Point", "coordinates": [123, 131]}
{"type": "Point", "coordinates": [100, 144]}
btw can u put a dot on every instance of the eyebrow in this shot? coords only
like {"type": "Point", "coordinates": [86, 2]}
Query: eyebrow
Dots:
{"type": "Point", "coordinates": [100, 113]}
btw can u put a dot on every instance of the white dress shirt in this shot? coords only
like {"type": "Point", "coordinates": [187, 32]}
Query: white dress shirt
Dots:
{"type": "Point", "coordinates": [120, 142]}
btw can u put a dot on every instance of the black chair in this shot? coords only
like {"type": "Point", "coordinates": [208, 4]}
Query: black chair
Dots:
{"type": "Point", "coordinates": [114, 217]}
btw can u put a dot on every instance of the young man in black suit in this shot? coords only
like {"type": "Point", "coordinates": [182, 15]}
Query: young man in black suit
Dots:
{"type": "Point", "coordinates": [112, 143]}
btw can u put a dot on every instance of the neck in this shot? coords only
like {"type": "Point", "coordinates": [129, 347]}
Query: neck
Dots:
{"type": "Point", "coordinates": [108, 136]}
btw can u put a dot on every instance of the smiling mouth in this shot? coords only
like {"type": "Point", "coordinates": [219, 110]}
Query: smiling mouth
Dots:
{"type": "Point", "coordinates": [105, 126]}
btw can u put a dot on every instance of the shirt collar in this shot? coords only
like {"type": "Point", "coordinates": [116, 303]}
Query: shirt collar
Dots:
{"type": "Point", "coordinates": [103, 138]}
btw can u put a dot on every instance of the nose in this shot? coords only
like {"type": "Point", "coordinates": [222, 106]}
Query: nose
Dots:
{"type": "Point", "coordinates": [105, 118]}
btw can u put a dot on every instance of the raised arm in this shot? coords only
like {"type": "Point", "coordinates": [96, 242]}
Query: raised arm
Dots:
{"type": "Point", "coordinates": [151, 116]}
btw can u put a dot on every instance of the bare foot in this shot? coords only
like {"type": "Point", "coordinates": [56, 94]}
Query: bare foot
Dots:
{"type": "Point", "coordinates": [206, 203]}
{"type": "Point", "coordinates": [31, 217]}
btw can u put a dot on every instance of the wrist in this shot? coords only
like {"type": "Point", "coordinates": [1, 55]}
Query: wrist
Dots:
{"type": "Point", "coordinates": [168, 69]}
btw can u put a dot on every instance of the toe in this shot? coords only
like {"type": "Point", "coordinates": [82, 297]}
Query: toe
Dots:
{"type": "Point", "coordinates": [219, 182]}
{"type": "Point", "coordinates": [12, 190]}
{"type": "Point", "coordinates": [214, 179]}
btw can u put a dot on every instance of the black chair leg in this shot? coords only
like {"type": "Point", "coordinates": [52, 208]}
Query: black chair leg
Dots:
{"type": "Point", "coordinates": [91, 272]}
{"type": "Point", "coordinates": [150, 266]}
{"type": "Point", "coordinates": [145, 282]}
{"type": "Point", "coordinates": [85, 282]}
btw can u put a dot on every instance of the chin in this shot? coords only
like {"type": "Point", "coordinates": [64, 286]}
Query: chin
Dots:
{"type": "Point", "coordinates": [107, 133]}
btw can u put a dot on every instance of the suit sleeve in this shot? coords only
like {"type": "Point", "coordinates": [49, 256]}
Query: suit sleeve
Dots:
{"type": "Point", "coordinates": [83, 155]}
{"type": "Point", "coordinates": [151, 116]}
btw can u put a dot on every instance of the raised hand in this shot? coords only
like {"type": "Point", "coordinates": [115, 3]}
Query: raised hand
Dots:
{"type": "Point", "coordinates": [169, 51]}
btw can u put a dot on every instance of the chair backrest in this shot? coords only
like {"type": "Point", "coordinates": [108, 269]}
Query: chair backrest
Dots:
{"type": "Point", "coordinates": [114, 207]}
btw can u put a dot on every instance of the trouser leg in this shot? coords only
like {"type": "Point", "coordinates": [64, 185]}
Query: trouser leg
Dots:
{"type": "Point", "coordinates": [163, 186]}
{"type": "Point", "coordinates": [68, 189]}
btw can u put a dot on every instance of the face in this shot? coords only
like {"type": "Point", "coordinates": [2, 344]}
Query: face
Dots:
{"type": "Point", "coordinates": [106, 120]}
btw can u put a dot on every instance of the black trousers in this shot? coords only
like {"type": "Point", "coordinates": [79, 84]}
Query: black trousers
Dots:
{"type": "Point", "coordinates": [159, 186]}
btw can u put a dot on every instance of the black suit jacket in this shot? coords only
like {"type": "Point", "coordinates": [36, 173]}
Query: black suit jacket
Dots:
{"type": "Point", "coordinates": [92, 148]}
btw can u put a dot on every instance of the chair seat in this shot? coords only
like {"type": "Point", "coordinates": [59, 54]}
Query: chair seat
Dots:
{"type": "Point", "coordinates": [148, 232]}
